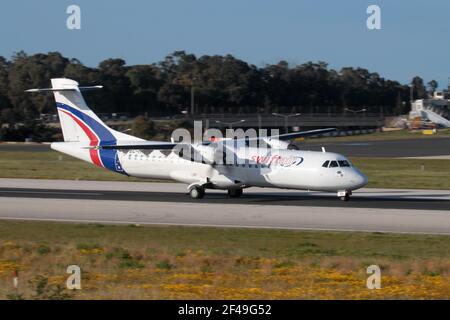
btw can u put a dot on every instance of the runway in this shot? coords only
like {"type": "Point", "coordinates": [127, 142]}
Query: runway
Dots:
{"type": "Point", "coordinates": [431, 147]}
{"type": "Point", "coordinates": [382, 210]}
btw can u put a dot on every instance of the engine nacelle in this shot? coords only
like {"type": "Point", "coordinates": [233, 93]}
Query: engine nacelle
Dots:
{"type": "Point", "coordinates": [206, 154]}
{"type": "Point", "coordinates": [277, 144]}
{"type": "Point", "coordinates": [209, 154]}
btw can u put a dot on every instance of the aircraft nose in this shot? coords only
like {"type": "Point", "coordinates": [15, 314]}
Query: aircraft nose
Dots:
{"type": "Point", "coordinates": [358, 179]}
{"type": "Point", "coordinates": [361, 180]}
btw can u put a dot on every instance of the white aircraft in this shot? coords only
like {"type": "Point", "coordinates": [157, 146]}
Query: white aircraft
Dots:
{"type": "Point", "coordinates": [88, 138]}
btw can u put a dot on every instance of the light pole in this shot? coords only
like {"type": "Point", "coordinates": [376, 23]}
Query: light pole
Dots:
{"type": "Point", "coordinates": [230, 124]}
{"type": "Point", "coordinates": [286, 118]}
{"type": "Point", "coordinates": [192, 99]}
{"type": "Point", "coordinates": [193, 95]}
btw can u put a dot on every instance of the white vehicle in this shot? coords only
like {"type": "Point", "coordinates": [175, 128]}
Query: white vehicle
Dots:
{"type": "Point", "coordinates": [86, 137]}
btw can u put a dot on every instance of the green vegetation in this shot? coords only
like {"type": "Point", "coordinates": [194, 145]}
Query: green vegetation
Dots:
{"type": "Point", "coordinates": [43, 249]}
{"type": "Point", "coordinates": [283, 244]}
{"type": "Point", "coordinates": [142, 127]}
{"type": "Point", "coordinates": [382, 172]}
{"type": "Point", "coordinates": [222, 84]}
{"type": "Point", "coordinates": [405, 173]}
{"type": "Point", "coordinates": [181, 262]}
{"type": "Point", "coordinates": [384, 136]}
{"type": "Point", "coordinates": [52, 165]}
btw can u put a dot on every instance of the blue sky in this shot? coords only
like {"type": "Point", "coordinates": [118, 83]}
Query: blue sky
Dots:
{"type": "Point", "coordinates": [414, 39]}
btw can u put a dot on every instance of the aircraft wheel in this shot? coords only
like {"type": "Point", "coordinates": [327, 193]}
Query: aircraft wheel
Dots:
{"type": "Point", "coordinates": [197, 192]}
{"type": "Point", "coordinates": [344, 195]}
{"type": "Point", "coordinates": [235, 193]}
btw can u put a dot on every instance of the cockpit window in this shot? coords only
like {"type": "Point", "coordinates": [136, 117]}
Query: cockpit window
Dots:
{"type": "Point", "coordinates": [336, 164]}
{"type": "Point", "coordinates": [333, 164]}
{"type": "Point", "coordinates": [344, 163]}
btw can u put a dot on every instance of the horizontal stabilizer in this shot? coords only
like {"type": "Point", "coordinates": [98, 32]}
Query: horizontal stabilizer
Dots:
{"type": "Point", "coordinates": [71, 88]}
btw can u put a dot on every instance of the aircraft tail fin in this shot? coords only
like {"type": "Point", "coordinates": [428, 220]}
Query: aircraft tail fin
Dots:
{"type": "Point", "coordinates": [78, 122]}
{"type": "Point", "coordinates": [81, 127]}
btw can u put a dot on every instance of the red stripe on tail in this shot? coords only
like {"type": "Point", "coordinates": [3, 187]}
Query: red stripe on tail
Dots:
{"type": "Point", "coordinates": [95, 157]}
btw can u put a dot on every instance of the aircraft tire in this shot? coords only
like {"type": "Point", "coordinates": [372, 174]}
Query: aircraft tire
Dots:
{"type": "Point", "coordinates": [197, 192]}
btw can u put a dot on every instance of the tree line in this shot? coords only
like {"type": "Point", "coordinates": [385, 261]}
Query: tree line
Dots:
{"type": "Point", "coordinates": [222, 84]}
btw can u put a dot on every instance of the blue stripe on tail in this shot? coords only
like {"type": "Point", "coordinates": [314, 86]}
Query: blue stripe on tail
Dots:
{"type": "Point", "coordinates": [110, 158]}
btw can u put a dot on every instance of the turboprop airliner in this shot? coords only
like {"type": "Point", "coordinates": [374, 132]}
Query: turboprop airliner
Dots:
{"type": "Point", "coordinates": [202, 165]}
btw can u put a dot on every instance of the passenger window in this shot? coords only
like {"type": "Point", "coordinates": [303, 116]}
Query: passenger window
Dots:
{"type": "Point", "coordinates": [325, 165]}
{"type": "Point", "coordinates": [333, 164]}
{"type": "Point", "coordinates": [344, 163]}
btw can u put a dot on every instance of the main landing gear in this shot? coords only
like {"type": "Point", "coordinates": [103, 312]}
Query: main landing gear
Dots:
{"type": "Point", "coordinates": [235, 193]}
{"type": "Point", "coordinates": [197, 192]}
{"type": "Point", "coordinates": [344, 195]}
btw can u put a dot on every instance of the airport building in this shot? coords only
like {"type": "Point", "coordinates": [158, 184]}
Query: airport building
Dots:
{"type": "Point", "coordinates": [435, 109]}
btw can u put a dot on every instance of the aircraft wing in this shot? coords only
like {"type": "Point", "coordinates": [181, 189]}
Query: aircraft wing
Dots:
{"type": "Point", "coordinates": [284, 137]}
{"type": "Point", "coordinates": [145, 145]}
{"type": "Point", "coordinates": [294, 135]}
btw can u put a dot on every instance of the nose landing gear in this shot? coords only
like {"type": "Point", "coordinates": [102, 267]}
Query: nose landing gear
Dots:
{"type": "Point", "coordinates": [235, 193]}
{"type": "Point", "coordinates": [344, 195]}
